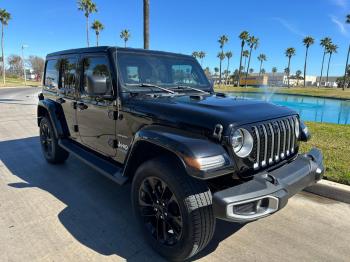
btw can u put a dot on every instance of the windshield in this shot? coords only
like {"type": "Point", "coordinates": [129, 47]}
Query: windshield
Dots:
{"type": "Point", "coordinates": [140, 70]}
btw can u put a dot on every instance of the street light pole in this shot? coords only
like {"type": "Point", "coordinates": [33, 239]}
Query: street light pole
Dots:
{"type": "Point", "coordinates": [24, 67]}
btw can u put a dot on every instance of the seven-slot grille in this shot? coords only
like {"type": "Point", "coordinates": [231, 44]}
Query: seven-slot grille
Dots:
{"type": "Point", "coordinates": [273, 141]}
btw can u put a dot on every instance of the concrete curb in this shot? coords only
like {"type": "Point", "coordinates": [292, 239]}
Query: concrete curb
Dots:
{"type": "Point", "coordinates": [331, 190]}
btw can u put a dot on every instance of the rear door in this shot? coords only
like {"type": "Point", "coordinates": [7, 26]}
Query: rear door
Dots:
{"type": "Point", "coordinates": [60, 85]}
{"type": "Point", "coordinates": [97, 129]}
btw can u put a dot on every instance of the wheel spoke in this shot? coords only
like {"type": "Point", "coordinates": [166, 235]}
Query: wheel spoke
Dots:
{"type": "Point", "coordinates": [143, 203]}
{"type": "Point", "coordinates": [164, 231]}
{"type": "Point", "coordinates": [175, 231]}
{"type": "Point", "coordinates": [147, 211]}
{"type": "Point", "coordinates": [151, 183]}
{"type": "Point", "coordinates": [164, 188]}
{"type": "Point", "coordinates": [157, 228]}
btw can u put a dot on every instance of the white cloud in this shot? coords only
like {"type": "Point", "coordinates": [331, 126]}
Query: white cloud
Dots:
{"type": "Point", "coordinates": [340, 3]}
{"type": "Point", "coordinates": [340, 25]}
{"type": "Point", "coordinates": [290, 27]}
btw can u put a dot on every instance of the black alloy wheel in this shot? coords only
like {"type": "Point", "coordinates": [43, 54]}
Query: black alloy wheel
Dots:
{"type": "Point", "coordinates": [46, 139]}
{"type": "Point", "coordinates": [160, 211]}
{"type": "Point", "coordinates": [53, 153]}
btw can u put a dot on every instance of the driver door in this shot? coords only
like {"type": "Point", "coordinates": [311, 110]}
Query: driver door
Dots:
{"type": "Point", "coordinates": [97, 130]}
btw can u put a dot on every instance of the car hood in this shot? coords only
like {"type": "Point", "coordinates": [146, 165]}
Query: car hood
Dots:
{"type": "Point", "coordinates": [206, 112]}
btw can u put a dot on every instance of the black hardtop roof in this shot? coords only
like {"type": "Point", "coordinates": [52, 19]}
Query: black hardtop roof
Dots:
{"type": "Point", "coordinates": [106, 48]}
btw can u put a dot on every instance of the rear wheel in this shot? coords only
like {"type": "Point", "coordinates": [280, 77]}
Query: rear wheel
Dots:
{"type": "Point", "coordinates": [52, 152]}
{"type": "Point", "coordinates": [174, 210]}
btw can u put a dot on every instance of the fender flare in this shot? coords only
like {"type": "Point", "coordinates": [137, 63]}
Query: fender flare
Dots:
{"type": "Point", "coordinates": [55, 113]}
{"type": "Point", "coordinates": [183, 145]}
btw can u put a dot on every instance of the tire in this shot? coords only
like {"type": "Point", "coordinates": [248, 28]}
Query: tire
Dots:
{"type": "Point", "coordinates": [187, 213]}
{"type": "Point", "coordinates": [52, 152]}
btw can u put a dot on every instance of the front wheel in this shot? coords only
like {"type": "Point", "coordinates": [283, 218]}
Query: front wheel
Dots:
{"type": "Point", "coordinates": [53, 153]}
{"type": "Point", "coordinates": [174, 210]}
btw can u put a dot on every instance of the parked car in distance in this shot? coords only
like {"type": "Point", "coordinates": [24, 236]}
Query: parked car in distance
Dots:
{"type": "Point", "coordinates": [152, 119]}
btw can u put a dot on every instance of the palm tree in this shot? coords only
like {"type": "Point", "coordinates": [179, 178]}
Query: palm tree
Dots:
{"type": "Point", "coordinates": [253, 43]}
{"type": "Point", "coordinates": [297, 75]}
{"type": "Point", "coordinates": [308, 41]}
{"type": "Point", "coordinates": [146, 24]}
{"type": "Point", "coordinates": [245, 55]}
{"type": "Point", "coordinates": [228, 55]}
{"type": "Point", "coordinates": [222, 41]}
{"type": "Point", "coordinates": [201, 55]}
{"type": "Point", "coordinates": [325, 43]}
{"type": "Point", "coordinates": [244, 36]}
{"type": "Point", "coordinates": [347, 58]}
{"type": "Point", "coordinates": [251, 71]}
{"type": "Point", "coordinates": [261, 58]}
{"type": "Point", "coordinates": [88, 7]}
{"type": "Point", "coordinates": [216, 70]}
{"type": "Point", "coordinates": [274, 71]}
{"type": "Point", "coordinates": [4, 19]}
{"type": "Point", "coordinates": [330, 50]}
{"type": "Point", "coordinates": [263, 71]}
{"type": "Point", "coordinates": [289, 53]}
{"type": "Point", "coordinates": [221, 55]}
{"type": "Point", "coordinates": [98, 27]}
{"type": "Point", "coordinates": [125, 35]}
{"type": "Point", "coordinates": [195, 54]}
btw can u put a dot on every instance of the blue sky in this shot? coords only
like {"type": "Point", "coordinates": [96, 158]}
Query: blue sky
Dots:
{"type": "Point", "coordinates": [184, 26]}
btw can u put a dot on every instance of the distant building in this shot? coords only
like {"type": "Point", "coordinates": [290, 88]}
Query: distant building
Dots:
{"type": "Point", "coordinates": [310, 80]}
{"type": "Point", "coordinates": [332, 81]}
{"type": "Point", "coordinates": [254, 80]}
{"type": "Point", "coordinates": [277, 79]}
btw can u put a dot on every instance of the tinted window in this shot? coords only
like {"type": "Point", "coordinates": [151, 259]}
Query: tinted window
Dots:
{"type": "Point", "coordinates": [51, 74]}
{"type": "Point", "coordinates": [163, 70]}
{"type": "Point", "coordinates": [182, 74]}
{"type": "Point", "coordinates": [68, 74]}
{"type": "Point", "coordinates": [96, 78]}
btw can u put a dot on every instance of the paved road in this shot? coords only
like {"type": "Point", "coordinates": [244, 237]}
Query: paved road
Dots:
{"type": "Point", "coordinates": [70, 213]}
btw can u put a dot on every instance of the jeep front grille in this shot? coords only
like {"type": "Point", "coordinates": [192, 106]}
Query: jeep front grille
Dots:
{"type": "Point", "coordinates": [273, 141]}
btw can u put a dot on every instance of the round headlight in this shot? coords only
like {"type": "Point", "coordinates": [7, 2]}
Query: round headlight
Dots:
{"type": "Point", "coordinates": [297, 128]}
{"type": "Point", "coordinates": [237, 140]}
{"type": "Point", "coordinates": [242, 142]}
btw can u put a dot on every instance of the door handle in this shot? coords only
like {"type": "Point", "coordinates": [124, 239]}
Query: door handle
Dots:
{"type": "Point", "coordinates": [82, 106]}
{"type": "Point", "coordinates": [60, 100]}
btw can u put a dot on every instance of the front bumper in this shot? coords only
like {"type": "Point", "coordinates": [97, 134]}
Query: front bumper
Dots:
{"type": "Point", "coordinates": [268, 192]}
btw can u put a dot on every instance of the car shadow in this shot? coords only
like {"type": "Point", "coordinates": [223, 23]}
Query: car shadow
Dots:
{"type": "Point", "coordinates": [98, 212]}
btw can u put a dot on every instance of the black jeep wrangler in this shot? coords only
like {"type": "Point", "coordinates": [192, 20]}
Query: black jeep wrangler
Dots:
{"type": "Point", "coordinates": [192, 155]}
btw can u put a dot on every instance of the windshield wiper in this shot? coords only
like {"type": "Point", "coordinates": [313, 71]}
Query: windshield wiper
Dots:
{"type": "Point", "coordinates": [192, 88]}
{"type": "Point", "coordinates": [151, 85]}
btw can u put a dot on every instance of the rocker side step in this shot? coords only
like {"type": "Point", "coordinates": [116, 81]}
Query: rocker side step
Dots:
{"type": "Point", "coordinates": [99, 164]}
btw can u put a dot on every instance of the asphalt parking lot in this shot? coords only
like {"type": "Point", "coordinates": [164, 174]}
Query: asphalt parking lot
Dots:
{"type": "Point", "coordinates": [71, 213]}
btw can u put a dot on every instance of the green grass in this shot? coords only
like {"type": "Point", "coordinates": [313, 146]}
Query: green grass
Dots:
{"type": "Point", "coordinates": [308, 91]}
{"type": "Point", "coordinates": [334, 141]}
{"type": "Point", "coordinates": [12, 82]}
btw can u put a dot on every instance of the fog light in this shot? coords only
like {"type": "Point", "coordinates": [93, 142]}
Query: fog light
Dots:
{"type": "Point", "coordinates": [252, 209]}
